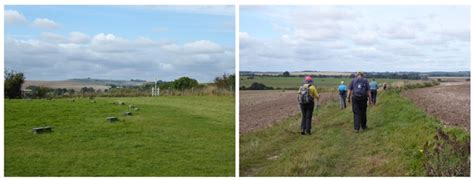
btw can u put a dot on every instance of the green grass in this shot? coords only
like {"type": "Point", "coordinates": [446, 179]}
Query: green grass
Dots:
{"type": "Point", "coordinates": [295, 82]}
{"type": "Point", "coordinates": [390, 147]}
{"type": "Point", "coordinates": [168, 136]}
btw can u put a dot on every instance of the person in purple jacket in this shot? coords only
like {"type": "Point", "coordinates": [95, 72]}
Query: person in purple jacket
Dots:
{"type": "Point", "coordinates": [359, 93]}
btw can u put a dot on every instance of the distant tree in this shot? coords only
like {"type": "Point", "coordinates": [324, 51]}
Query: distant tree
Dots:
{"type": "Point", "coordinates": [226, 81]}
{"type": "Point", "coordinates": [85, 90]}
{"type": "Point", "coordinates": [42, 91]}
{"type": "Point", "coordinates": [259, 86]}
{"type": "Point", "coordinates": [184, 83]}
{"type": "Point", "coordinates": [13, 82]}
{"type": "Point", "coordinates": [71, 91]}
{"type": "Point", "coordinates": [286, 74]}
{"type": "Point", "coordinates": [59, 91]}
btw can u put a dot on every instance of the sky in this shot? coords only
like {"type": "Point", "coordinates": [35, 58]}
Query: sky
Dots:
{"type": "Point", "coordinates": [354, 38]}
{"type": "Point", "coordinates": [120, 42]}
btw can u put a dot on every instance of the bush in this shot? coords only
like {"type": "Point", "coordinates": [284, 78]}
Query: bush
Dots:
{"type": "Point", "coordinates": [184, 83]}
{"type": "Point", "coordinates": [447, 156]}
{"type": "Point", "coordinates": [258, 86]}
{"type": "Point", "coordinates": [13, 82]}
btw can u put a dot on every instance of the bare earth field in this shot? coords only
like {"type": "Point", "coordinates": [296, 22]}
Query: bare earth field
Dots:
{"type": "Point", "coordinates": [260, 109]}
{"type": "Point", "coordinates": [62, 84]}
{"type": "Point", "coordinates": [449, 102]}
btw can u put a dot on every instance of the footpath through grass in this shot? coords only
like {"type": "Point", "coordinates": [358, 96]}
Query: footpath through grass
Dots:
{"type": "Point", "coordinates": [168, 136]}
{"type": "Point", "coordinates": [390, 147]}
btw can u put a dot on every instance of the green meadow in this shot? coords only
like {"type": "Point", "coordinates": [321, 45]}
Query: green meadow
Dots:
{"type": "Point", "coordinates": [295, 82]}
{"type": "Point", "coordinates": [167, 136]}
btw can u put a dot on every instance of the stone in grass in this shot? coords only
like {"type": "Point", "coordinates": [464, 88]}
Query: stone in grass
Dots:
{"type": "Point", "coordinates": [121, 103]}
{"type": "Point", "coordinates": [127, 113]}
{"type": "Point", "coordinates": [136, 109]}
{"type": "Point", "coordinates": [93, 101]}
{"type": "Point", "coordinates": [112, 119]}
{"type": "Point", "coordinates": [40, 130]}
{"type": "Point", "coordinates": [131, 106]}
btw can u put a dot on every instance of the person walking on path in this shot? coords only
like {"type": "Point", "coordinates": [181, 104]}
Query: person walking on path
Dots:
{"type": "Point", "coordinates": [306, 97]}
{"type": "Point", "coordinates": [342, 95]}
{"type": "Point", "coordinates": [358, 93]}
{"type": "Point", "coordinates": [374, 86]}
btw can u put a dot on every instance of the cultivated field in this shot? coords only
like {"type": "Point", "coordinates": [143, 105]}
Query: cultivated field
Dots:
{"type": "Point", "coordinates": [68, 84]}
{"type": "Point", "coordinates": [167, 136]}
{"type": "Point", "coordinates": [450, 102]}
{"type": "Point", "coordinates": [260, 109]}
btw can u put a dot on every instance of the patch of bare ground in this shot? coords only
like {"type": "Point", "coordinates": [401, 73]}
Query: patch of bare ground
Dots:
{"type": "Point", "coordinates": [260, 109]}
{"type": "Point", "coordinates": [450, 102]}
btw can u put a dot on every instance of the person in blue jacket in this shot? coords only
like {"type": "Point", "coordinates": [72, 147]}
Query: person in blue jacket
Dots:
{"type": "Point", "coordinates": [374, 86]}
{"type": "Point", "coordinates": [342, 95]}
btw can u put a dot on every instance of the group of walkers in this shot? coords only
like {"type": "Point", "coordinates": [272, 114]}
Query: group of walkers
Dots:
{"type": "Point", "coordinates": [357, 93]}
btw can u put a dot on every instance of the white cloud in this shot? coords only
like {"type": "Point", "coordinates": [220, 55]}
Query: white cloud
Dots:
{"type": "Point", "coordinates": [78, 37]}
{"type": "Point", "coordinates": [202, 47]}
{"type": "Point", "coordinates": [109, 56]}
{"type": "Point", "coordinates": [45, 23]}
{"type": "Point", "coordinates": [53, 37]}
{"type": "Point", "coordinates": [14, 17]}
{"type": "Point", "coordinates": [365, 38]}
{"type": "Point", "coordinates": [330, 37]}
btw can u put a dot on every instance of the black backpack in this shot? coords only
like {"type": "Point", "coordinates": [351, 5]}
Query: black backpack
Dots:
{"type": "Point", "coordinates": [303, 96]}
{"type": "Point", "coordinates": [360, 88]}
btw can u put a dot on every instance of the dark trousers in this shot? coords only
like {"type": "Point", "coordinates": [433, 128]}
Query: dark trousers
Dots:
{"type": "Point", "coordinates": [373, 93]}
{"type": "Point", "coordinates": [342, 100]}
{"type": "Point", "coordinates": [359, 108]}
{"type": "Point", "coordinates": [306, 116]}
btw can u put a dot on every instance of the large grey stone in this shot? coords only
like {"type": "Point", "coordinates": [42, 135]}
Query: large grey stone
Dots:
{"type": "Point", "coordinates": [40, 130]}
{"type": "Point", "coordinates": [112, 119]}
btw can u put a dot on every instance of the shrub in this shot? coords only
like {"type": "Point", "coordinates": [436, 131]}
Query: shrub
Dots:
{"type": "Point", "coordinates": [446, 155]}
{"type": "Point", "coordinates": [13, 82]}
{"type": "Point", "coordinates": [258, 86]}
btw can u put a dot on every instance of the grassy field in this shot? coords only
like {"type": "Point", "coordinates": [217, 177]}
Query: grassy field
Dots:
{"type": "Point", "coordinates": [295, 82]}
{"type": "Point", "coordinates": [168, 136]}
{"type": "Point", "coordinates": [390, 147]}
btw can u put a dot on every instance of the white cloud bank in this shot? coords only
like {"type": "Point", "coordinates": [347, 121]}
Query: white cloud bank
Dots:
{"type": "Point", "coordinates": [105, 55]}
{"type": "Point", "coordinates": [351, 38]}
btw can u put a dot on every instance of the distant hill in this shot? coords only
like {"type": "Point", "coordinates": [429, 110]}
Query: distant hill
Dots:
{"type": "Point", "coordinates": [107, 82]}
{"type": "Point", "coordinates": [334, 73]}
{"type": "Point", "coordinates": [77, 84]}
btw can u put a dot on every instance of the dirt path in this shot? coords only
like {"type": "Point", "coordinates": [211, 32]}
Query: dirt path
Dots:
{"type": "Point", "coordinates": [260, 109]}
{"type": "Point", "coordinates": [449, 102]}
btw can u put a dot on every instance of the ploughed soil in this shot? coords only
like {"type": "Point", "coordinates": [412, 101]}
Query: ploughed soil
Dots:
{"type": "Point", "coordinates": [262, 108]}
{"type": "Point", "coordinates": [449, 102]}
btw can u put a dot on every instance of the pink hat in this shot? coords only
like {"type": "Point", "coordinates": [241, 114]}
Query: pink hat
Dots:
{"type": "Point", "coordinates": [308, 79]}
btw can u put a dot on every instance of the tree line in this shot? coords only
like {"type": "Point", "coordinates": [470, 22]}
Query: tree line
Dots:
{"type": "Point", "coordinates": [14, 81]}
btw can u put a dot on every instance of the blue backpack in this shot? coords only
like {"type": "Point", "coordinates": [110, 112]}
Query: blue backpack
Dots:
{"type": "Point", "coordinates": [342, 89]}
